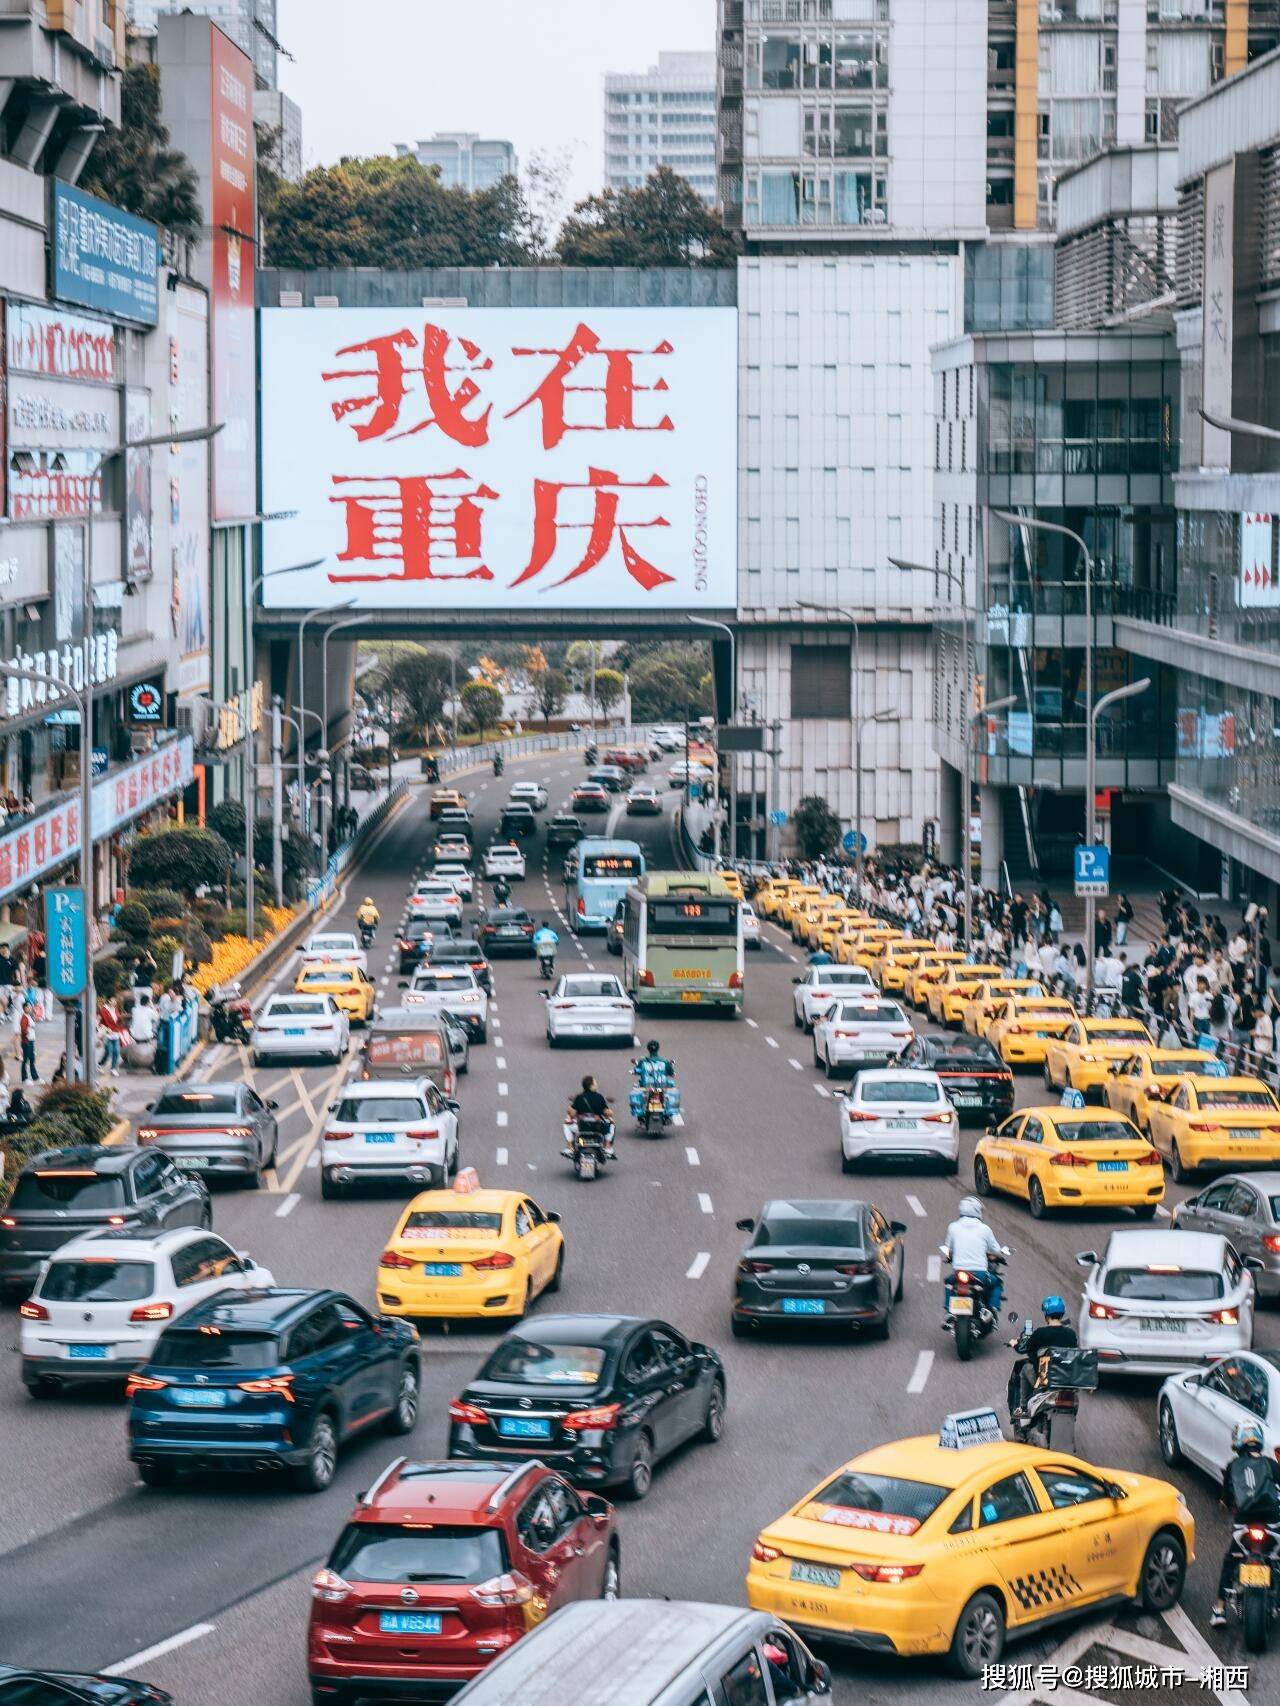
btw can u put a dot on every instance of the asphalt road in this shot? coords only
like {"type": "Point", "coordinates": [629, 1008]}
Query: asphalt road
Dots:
{"type": "Point", "coordinates": [97, 1570]}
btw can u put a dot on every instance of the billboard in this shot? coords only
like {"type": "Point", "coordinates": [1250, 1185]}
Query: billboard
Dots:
{"type": "Point", "coordinates": [232, 187]}
{"type": "Point", "coordinates": [102, 257]}
{"type": "Point", "coordinates": [490, 459]}
{"type": "Point", "coordinates": [1259, 585]}
{"type": "Point", "coordinates": [188, 494]}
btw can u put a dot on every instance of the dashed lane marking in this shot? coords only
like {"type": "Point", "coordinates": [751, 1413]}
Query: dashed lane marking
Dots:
{"type": "Point", "coordinates": [753, 1023]}
{"type": "Point", "coordinates": [704, 1203]}
{"type": "Point", "coordinates": [823, 1091]}
{"type": "Point", "coordinates": [933, 1269]}
{"type": "Point", "coordinates": [917, 1207]}
{"type": "Point", "coordinates": [792, 1061]}
{"type": "Point", "coordinates": [677, 1119]}
{"type": "Point", "coordinates": [698, 1266]}
{"type": "Point", "coordinates": [500, 1158]}
{"type": "Point", "coordinates": [502, 1090]}
{"type": "Point", "coordinates": [920, 1373]}
{"type": "Point", "coordinates": [691, 1156]}
{"type": "Point", "coordinates": [502, 1116]}
{"type": "Point", "coordinates": [772, 1041]}
{"type": "Point", "coordinates": [288, 1205]}
{"type": "Point", "coordinates": [500, 1060]}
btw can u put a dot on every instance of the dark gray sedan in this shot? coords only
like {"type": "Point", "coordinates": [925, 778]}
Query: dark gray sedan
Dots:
{"type": "Point", "coordinates": [808, 1262]}
{"type": "Point", "coordinates": [216, 1130]}
{"type": "Point", "coordinates": [1246, 1209]}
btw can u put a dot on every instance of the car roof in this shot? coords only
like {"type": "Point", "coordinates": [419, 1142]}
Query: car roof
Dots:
{"type": "Point", "coordinates": [1149, 1052]}
{"type": "Point", "coordinates": [1165, 1244]}
{"type": "Point", "coordinates": [891, 1074]}
{"type": "Point", "coordinates": [215, 1086]}
{"type": "Point", "coordinates": [264, 1306]}
{"type": "Point", "coordinates": [1266, 1182]}
{"type": "Point", "coordinates": [1104, 1025]}
{"type": "Point", "coordinates": [117, 1159]}
{"type": "Point", "coordinates": [1056, 1111]}
{"type": "Point", "coordinates": [813, 1208]}
{"type": "Point", "coordinates": [374, 1087]}
{"type": "Point", "coordinates": [582, 1329]}
{"type": "Point", "coordinates": [448, 1490]}
{"type": "Point", "coordinates": [126, 1241]}
{"type": "Point", "coordinates": [922, 1458]}
{"type": "Point", "coordinates": [1207, 1081]}
{"type": "Point", "coordinates": [416, 1018]}
{"type": "Point", "coordinates": [492, 1201]}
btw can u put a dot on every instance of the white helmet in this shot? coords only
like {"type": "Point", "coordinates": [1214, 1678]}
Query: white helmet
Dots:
{"type": "Point", "coordinates": [970, 1208]}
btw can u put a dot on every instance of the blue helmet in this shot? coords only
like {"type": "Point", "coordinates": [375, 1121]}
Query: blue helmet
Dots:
{"type": "Point", "coordinates": [1053, 1308]}
{"type": "Point", "coordinates": [1248, 1436]}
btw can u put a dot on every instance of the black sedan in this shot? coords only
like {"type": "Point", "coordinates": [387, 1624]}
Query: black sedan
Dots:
{"type": "Point", "coordinates": [415, 942]}
{"type": "Point", "coordinates": [506, 930]}
{"type": "Point", "coordinates": [61, 1688]}
{"type": "Point", "coordinates": [462, 951]}
{"type": "Point", "coordinates": [517, 819]}
{"type": "Point", "coordinates": [565, 830]}
{"type": "Point", "coordinates": [600, 1397]}
{"type": "Point", "coordinates": [819, 1261]}
{"type": "Point", "coordinates": [978, 1083]}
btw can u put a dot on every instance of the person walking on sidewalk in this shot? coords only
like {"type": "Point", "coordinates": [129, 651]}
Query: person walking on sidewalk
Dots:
{"type": "Point", "coordinates": [113, 1031]}
{"type": "Point", "coordinates": [27, 1043]}
{"type": "Point", "coordinates": [1124, 917]}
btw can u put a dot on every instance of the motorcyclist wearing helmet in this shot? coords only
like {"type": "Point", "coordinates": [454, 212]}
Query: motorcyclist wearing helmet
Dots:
{"type": "Point", "coordinates": [1251, 1492]}
{"type": "Point", "coordinates": [654, 1068]}
{"type": "Point", "coordinates": [970, 1244]}
{"type": "Point", "coordinates": [367, 913]}
{"type": "Point", "coordinates": [1057, 1330]}
{"type": "Point", "coordinates": [591, 1104]}
{"type": "Point", "coordinates": [501, 890]}
{"type": "Point", "coordinates": [545, 943]}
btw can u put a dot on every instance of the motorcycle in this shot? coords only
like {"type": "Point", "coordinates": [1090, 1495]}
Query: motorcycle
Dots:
{"type": "Point", "coordinates": [1052, 1409]}
{"type": "Point", "coordinates": [970, 1317]}
{"type": "Point", "coordinates": [654, 1103]}
{"type": "Point", "coordinates": [1254, 1597]}
{"type": "Point", "coordinates": [587, 1144]}
{"type": "Point", "coordinates": [498, 765]}
{"type": "Point", "coordinates": [592, 754]}
{"type": "Point", "coordinates": [547, 963]}
{"type": "Point", "coordinates": [366, 935]}
{"type": "Point", "coordinates": [433, 770]}
{"type": "Point", "coordinates": [230, 1015]}
{"type": "Point", "coordinates": [501, 891]}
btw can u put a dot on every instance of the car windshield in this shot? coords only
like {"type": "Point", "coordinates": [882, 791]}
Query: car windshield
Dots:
{"type": "Point", "coordinates": [1120, 1034]}
{"type": "Point", "coordinates": [215, 1347]}
{"type": "Point", "coordinates": [401, 1047]}
{"type": "Point", "coordinates": [1175, 1068]}
{"type": "Point", "coordinates": [426, 978]}
{"type": "Point", "coordinates": [871, 1013]}
{"type": "Point", "coordinates": [880, 1502]}
{"type": "Point", "coordinates": [98, 1280]}
{"type": "Point", "coordinates": [196, 1102]}
{"type": "Point", "coordinates": [506, 915]}
{"type": "Point", "coordinates": [1237, 1099]}
{"type": "Point", "coordinates": [963, 1053]}
{"type": "Point", "coordinates": [419, 930]}
{"type": "Point", "coordinates": [1094, 1131]}
{"type": "Point", "coordinates": [899, 1090]}
{"type": "Point", "coordinates": [1163, 1285]}
{"type": "Point", "coordinates": [331, 945]}
{"type": "Point", "coordinates": [297, 1009]}
{"type": "Point", "coordinates": [528, 1363]}
{"type": "Point", "coordinates": [379, 1110]}
{"type": "Point", "coordinates": [583, 988]}
{"type": "Point", "coordinates": [437, 1222]}
{"type": "Point", "coordinates": [436, 1552]}
{"type": "Point", "coordinates": [843, 1234]}
{"type": "Point", "coordinates": [327, 974]}
{"type": "Point", "coordinates": [79, 1190]}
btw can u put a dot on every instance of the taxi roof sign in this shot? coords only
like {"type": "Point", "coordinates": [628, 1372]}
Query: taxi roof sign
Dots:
{"type": "Point", "coordinates": [963, 1428]}
{"type": "Point", "coordinates": [1073, 1098]}
{"type": "Point", "coordinates": [467, 1180]}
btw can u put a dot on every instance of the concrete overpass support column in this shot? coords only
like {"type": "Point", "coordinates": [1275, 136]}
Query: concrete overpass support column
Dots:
{"type": "Point", "coordinates": [992, 835]}
{"type": "Point", "coordinates": [948, 814]}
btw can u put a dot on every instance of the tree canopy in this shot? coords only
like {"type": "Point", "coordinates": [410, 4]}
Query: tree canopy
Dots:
{"type": "Point", "coordinates": [662, 223]}
{"type": "Point", "coordinates": [185, 858]}
{"type": "Point", "coordinates": [135, 166]}
{"type": "Point", "coordinates": [668, 679]}
{"type": "Point", "coordinates": [481, 705]}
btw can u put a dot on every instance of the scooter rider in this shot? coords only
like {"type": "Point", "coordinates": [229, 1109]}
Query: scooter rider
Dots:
{"type": "Point", "coordinates": [655, 1068]}
{"type": "Point", "coordinates": [1251, 1492]}
{"type": "Point", "coordinates": [367, 915]}
{"type": "Point", "coordinates": [970, 1243]}
{"type": "Point", "coordinates": [1057, 1330]}
{"type": "Point", "coordinates": [501, 890]}
{"type": "Point", "coordinates": [591, 1104]}
{"type": "Point", "coordinates": [497, 764]}
{"type": "Point", "coordinates": [545, 943]}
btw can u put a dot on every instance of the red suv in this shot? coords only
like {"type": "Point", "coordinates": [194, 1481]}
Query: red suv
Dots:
{"type": "Point", "coordinates": [442, 1567]}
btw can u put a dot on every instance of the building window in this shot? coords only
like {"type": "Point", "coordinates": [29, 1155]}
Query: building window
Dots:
{"type": "Point", "coordinates": [821, 681]}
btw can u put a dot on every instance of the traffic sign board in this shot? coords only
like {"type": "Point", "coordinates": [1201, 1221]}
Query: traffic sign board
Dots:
{"type": "Point", "coordinates": [853, 841]}
{"type": "Point", "coordinates": [778, 817]}
{"type": "Point", "coordinates": [1093, 869]}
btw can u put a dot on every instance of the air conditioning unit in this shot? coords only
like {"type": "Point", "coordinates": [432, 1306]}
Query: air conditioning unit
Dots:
{"type": "Point", "coordinates": [445, 302]}
{"type": "Point", "coordinates": [185, 717]}
{"type": "Point", "coordinates": [325, 302]}
{"type": "Point", "coordinates": [291, 299]}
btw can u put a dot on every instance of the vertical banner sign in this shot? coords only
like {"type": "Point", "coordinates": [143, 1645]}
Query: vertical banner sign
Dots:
{"type": "Point", "coordinates": [137, 413]}
{"type": "Point", "coordinates": [65, 935]}
{"type": "Point", "coordinates": [1216, 309]}
{"type": "Point", "coordinates": [188, 495]}
{"type": "Point", "coordinates": [232, 217]}
{"type": "Point", "coordinates": [1259, 586]}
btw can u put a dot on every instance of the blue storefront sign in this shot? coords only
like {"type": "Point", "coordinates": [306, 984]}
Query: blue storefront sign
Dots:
{"type": "Point", "coordinates": [1093, 869]}
{"type": "Point", "coordinates": [67, 946]}
{"type": "Point", "coordinates": [102, 257]}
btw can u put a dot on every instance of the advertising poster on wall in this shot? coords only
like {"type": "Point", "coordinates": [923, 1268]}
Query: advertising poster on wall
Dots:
{"type": "Point", "coordinates": [490, 459]}
{"type": "Point", "coordinates": [137, 496]}
{"type": "Point", "coordinates": [1259, 586]}
{"type": "Point", "coordinates": [232, 191]}
{"type": "Point", "coordinates": [102, 257]}
{"type": "Point", "coordinates": [1217, 333]}
{"type": "Point", "coordinates": [189, 494]}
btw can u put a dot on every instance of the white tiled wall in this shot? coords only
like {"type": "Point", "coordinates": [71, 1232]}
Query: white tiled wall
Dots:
{"type": "Point", "coordinates": [938, 115]}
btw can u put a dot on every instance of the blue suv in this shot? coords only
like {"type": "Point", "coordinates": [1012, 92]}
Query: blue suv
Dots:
{"type": "Point", "coordinates": [270, 1379]}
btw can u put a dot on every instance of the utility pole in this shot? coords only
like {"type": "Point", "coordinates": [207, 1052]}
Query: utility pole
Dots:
{"type": "Point", "coordinates": [277, 802]}
{"type": "Point", "coordinates": [775, 789]}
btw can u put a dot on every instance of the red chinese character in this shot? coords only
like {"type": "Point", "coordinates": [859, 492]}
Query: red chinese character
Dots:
{"type": "Point", "coordinates": [619, 390]}
{"type": "Point", "coordinates": [445, 408]}
{"type": "Point", "coordinates": [6, 863]}
{"type": "Point", "coordinates": [40, 839]}
{"type": "Point", "coordinates": [604, 524]}
{"type": "Point", "coordinates": [415, 522]}
{"type": "Point", "coordinates": [73, 825]}
{"type": "Point", "coordinates": [22, 862]}
{"type": "Point", "coordinates": [55, 835]}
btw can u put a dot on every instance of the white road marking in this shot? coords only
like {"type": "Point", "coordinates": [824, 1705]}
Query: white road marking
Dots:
{"type": "Point", "coordinates": [795, 1063]}
{"type": "Point", "coordinates": [691, 1156]}
{"type": "Point", "coordinates": [288, 1205]}
{"type": "Point", "coordinates": [502, 1089]}
{"type": "Point", "coordinates": [752, 1023]}
{"type": "Point", "coordinates": [1163, 1212]}
{"type": "Point", "coordinates": [500, 1062]}
{"type": "Point", "coordinates": [933, 1269]}
{"type": "Point", "coordinates": [135, 1661]}
{"type": "Point", "coordinates": [917, 1207]}
{"type": "Point", "coordinates": [920, 1374]}
{"type": "Point", "coordinates": [822, 1090]}
{"type": "Point", "coordinates": [500, 1158]}
{"type": "Point", "coordinates": [677, 1119]}
{"type": "Point", "coordinates": [313, 1160]}
{"type": "Point", "coordinates": [698, 1266]}
{"type": "Point", "coordinates": [772, 1041]}
{"type": "Point", "coordinates": [502, 1116]}
{"type": "Point", "coordinates": [704, 1203]}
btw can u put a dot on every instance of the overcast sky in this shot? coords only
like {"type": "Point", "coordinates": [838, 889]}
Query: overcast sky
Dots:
{"type": "Point", "coordinates": [371, 73]}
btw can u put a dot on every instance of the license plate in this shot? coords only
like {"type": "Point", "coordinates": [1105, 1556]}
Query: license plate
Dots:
{"type": "Point", "coordinates": [1157, 1324]}
{"type": "Point", "coordinates": [294, 1031]}
{"type": "Point", "coordinates": [690, 995]}
{"type": "Point", "coordinates": [816, 1574]}
{"type": "Point", "coordinates": [900, 1125]}
{"type": "Point", "coordinates": [87, 1353]}
{"type": "Point", "coordinates": [804, 1306]}
{"type": "Point", "coordinates": [199, 1398]}
{"type": "Point", "coordinates": [410, 1622]}
{"type": "Point", "coordinates": [524, 1427]}
{"type": "Point", "coordinates": [1246, 1131]}
{"type": "Point", "coordinates": [1113, 1166]}
{"type": "Point", "coordinates": [442, 1270]}
{"type": "Point", "coordinates": [379, 1137]}
{"type": "Point", "coordinates": [1255, 1575]}
{"type": "Point", "coordinates": [191, 1163]}
{"type": "Point", "coordinates": [961, 1306]}
{"type": "Point", "coordinates": [967, 1101]}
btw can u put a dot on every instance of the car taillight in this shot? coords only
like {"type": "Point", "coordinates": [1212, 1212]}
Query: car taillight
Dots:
{"type": "Point", "coordinates": [499, 1259]}
{"type": "Point", "coordinates": [888, 1572]}
{"type": "Point", "coordinates": [147, 1134]}
{"type": "Point", "coordinates": [423, 1136]}
{"type": "Point", "coordinates": [152, 1312]}
{"type": "Point", "coordinates": [582, 906]}
{"type": "Point", "coordinates": [1203, 1125]}
{"type": "Point", "coordinates": [1271, 1241]}
{"type": "Point", "coordinates": [941, 1119]}
{"type": "Point", "coordinates": [33, 1312]}
{"type": "Point", "coordinates": [1225, 1317]}
{"type": "Point", "coordinates": [755, 1267]}
{"type": "Point", "coordinates": [602, 1416]}
{"type": "Point", "coordinates": [326, 1585]}
{"type": "Point", "coordinates": [646, 978]}
{"type": "Point", "coordinates": [142, 1383]}
{"type": "Point", "coordinates": [239, 1131]}
{"type": "Point", "coordinates": [1068, 1158]}
{"type": "Point", "coordinates": [7, 1220]}
{"type": "Point", "coordinates": [764, 1554]}
{"type": "Point", "coordinates": [115, 1220]}
{"type": "Point", "coordinates": [856, 1268]}
{"type": "Point", "coordinates": [393, 1259]}
{"type": "Point", "coordinates": [509, 1589]}
{"type": "Point", "coordinates": [1100, 1312]}
{"type": "Point", "coordinates": [337, 1134]}
{"type": "Point", "coordinates": [448, 1081]}
{"type": "Point", "coordinates": [405, 948]}
{"type": "Point", "coordinates": [857, 1114]}
{"type": "Point", "coordinates": [1149, 1158]}
{"type": "Point", "coordinates": [460, 1412]}
{"type": "Point", "coordinates": [272, 1386]}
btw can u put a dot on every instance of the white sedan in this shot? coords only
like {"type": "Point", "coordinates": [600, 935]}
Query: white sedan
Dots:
{"type": "Point", "coordinates": [858, 1032]}
{"type": "Point", "coordinates": [335, 947]}
{"type": "Point", "coordinates": [436, 900]}
{"type": "Point", "coordinates": [1199, 1411]}
{"type": "Point", "coordinates": [459, 875]}
{"type": "Point", "coordinates": [899, 1115]}
{"type": "Point", "coordinates": [751, 937]}
{"type": "Point", "coordinates": [530, 794]}
{"type": "Point", "coordinates": [584, 1007]}
{"type": "Point", "coordinates": [389, 1130]}
{"type": "Point", "coordinates": [294, 1026]}
{"type": "Point", "coordinates": [504, 859]}
{"type": "Point", "coordinates": [455, 990]}
{"type": "Point", "coordinates": [821, 985]}
{"type": "Point", "coordinates": [103, 1300]}
{"type": "Point", "coordinates": [1162, 1299]}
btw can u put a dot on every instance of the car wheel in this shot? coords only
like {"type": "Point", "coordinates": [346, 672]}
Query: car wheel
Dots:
{"type": "Point", "coordinates": [157, 1474]}
{"type": "Point", "coordinates": [404, 1412]}
{"type": "Point", "coordinates": [981, 1177]}
{"type": "Point", "coordinates": [827, 1067]}
{"type": "Point", "coordinates": [1170, 1445]}
{"type": "Point", "coordinates": [253, 1180]}
{"type": "Point", "coordinates": [817, 1058]}
{"type": "Point", "coordinates": [482, 1035]}
{"type": "Point", "coordinates": [1133, 1114]}
{"type": "Point", "coordinates": [611, 1581]}
{"type": "Point", "coordinates": [978, 1640]}
{"type": "Point", "coordinates": [330, 1189]}
{"type": "Point", "coordinates": [713, 1421]}
{"type": "Point", "coordinates": [739, 1329]}
{"type": "Point", "coordinates": [1164, 1569]}
{"type": "Point", "coordinates": [1181, 1174]}
{"type": "Point", "coordinates": [553, 1284]}
{"type": "Point", "coordinates": [527, 1305]}
{"type": "Point", "coordinates": [42, 1387]}
{"type": "Point", "coordinates": [206, 1217]}
{"type": "Point", "coordinates": [1145, 1211]}
{"type": "Point", "coordinates": [1048, 1080]}
{"type": "Point", "coordinates": [317, 1473]}
{"type": "Point", "coordinates": [848, 1164]}
{"type": "Point", "coordinates": [1035, 1199]}
{"type": "Point", "coordinates": [881, 1329]}
{"type": "Point", "coordinates": [640, 1476]}
{"type": "Point", "coordinates": [902, 1280]}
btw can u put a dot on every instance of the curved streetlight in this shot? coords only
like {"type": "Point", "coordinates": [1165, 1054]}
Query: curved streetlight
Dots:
{"type": "Point", "coordinates": [710, 622]}
{"type": "Point", "coordinates": [972, 717]}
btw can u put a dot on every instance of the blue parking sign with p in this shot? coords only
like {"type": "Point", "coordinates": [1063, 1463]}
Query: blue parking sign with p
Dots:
{"type": "Point", "coordinates": [1093, 869]}
{"type": "Point", "coordinates": [67, 942]}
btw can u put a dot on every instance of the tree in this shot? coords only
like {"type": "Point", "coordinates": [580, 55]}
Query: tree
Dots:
{"type": "Point", "coordinates": [610, 686]}
{"type": "Point", "coordinates": [421, 678]}
{"type": "Point", "coordinates": [180, 858]}
{"type": "Point", "coordinates": [817, 826]}
{"type": "Point", "coordinates": [550, 690]}
{"type": "Point", "coordinates": [663, 223]}
{"type": "Point", "coordinates": [489, 670]}
{"type": "Point", "coordinates": [659, 693]}
{"type": "Point", "coordinates": [481, 705]}
{"type": "Point", "coordinates": [134, 165]}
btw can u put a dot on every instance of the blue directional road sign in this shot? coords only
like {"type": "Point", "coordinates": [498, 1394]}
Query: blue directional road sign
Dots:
{"type": "Point", "coordinates": [853, 841]}
{"type": "Point", "coordinates": [1093, 870]}
{"type": "Point", "coordinates": [64, 929]}
{"type": "Point", "coordinates": [777, 817]}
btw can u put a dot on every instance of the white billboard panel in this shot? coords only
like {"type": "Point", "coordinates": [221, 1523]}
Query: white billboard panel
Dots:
{"type": "Point", "coordinates": [490, 459]}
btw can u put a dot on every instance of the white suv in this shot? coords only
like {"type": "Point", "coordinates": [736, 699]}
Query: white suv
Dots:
{"type": "Point", "coordinates": [531, 793]}
{"type": "Point", "coordinates": [1160, 1299]}
{"type": "Point", "coordinates": [103, 1300]}
{"type": "Point", "coordinates": [389, 1131]}
{"type": "Point", "coordinates": [437, 900]}
{"type": "Point", "coordinates": [455, 990]}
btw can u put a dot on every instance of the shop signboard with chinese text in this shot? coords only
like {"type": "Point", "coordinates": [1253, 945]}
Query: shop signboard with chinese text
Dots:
{"type": "Point", "coordinates": [233, 182]}
{"type": "Point", "coordinates": [65, 935]}
{"type": "Point", "coordinates": [491, 459]}
{"type": "Point", "coordinates": [68, 666]}
{"type": "Point", "coordinates": [102, 257]}
{"type": "Point", "coordinates": [59, 430]}
{"type": "Point", "coordinates": [1217, 335]}
{"type": "Point", "coordinates": [61, 345]}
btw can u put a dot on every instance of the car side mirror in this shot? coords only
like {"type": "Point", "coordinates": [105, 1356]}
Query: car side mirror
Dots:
{"type": "Point", "coordinates": [797, 980]}
{"type": "Point", "coordinates": [747, 1225]}
{"type": "Point", "coordinates": [818, 1680]}
{"type": "Point", "coordinates": [897, 1227]}
{"type": "Point", "coordinates": [273, 1105]}
{"type": "Point", "coordinates": [332, 1108]}
{"type": "Point", "coordinates": [991, 1128]}
{"type": "Point", "coordinates": [1086, 1258]}
{"type": "Point", "coordinates": [402, 983]}
{"type": "Point", "coordinates": [1254, 1264]}
{"type": "Point", "coordinates": [1114, 1490]}
{"type": "Point", "coordinates": [453, 1104]}
{"type": "Point", "coordinates": [545, 996]}
{"type": "Point", "coordinates": [1013, 1315]}
{"type": "Point", "coordinates": [553, 1215]}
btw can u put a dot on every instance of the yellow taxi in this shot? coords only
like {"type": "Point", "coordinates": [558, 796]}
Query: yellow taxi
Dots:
{"type": "Point", "coordinates": [813, 909]}
{"type": "Point", "coordinates": [1020, 1029]}
{"type": "Point", "coordinates": [842, 922]}
{"type": "Point", "coordinates": [469, 1252]}
{"type": "Point", "coordinates": [851, 943]}
{"type": "Point", "coordinates": [874, 945]}
{"type": "Point", "coordinates": [950, 1543]}
{"type": "Point", "coordinates": [981, 1006]}
{"type": "Point", "coordinates": [928, 969]}
{"type": "Point", "coordinates": [890, 970]}
{"type": "Point", "coordinates": [1082, 1057]}
{"type": "Point", "coordinates": [1216, 1122]}
{"type": "Point", "coordinates": [794, 899]}
{"type": "Point", "coordinates": [354, 990]}
{"type": "Point", "coordinates": [1059, 1157]}
{"type": "Point", "coordinates": [447, 799]}
{"type": "Point", "coordinates": [770, 895]}
{"type": "Point", "coordinates": [1151, 1075]}
{"type": "Point", "coordinates": [831, 918]}
{"type": "Point", "coordinates": [959, 983]}
{"type": "Point", "coordinates": [732, 880]}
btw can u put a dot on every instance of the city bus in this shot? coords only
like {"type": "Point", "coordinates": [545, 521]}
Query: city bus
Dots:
{"type": "Point", "coordinates": [602, 872]}
{"type": "Point", "coordinates": [682, 941]}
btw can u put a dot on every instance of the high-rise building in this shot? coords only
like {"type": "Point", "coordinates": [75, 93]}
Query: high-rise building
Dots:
{"type": "Point", "coordinates": [665, 116]}
{"type": "Point", "coordinates": [465, 160]}
{"type": "Point", "coordinates": [276, 113]}
{"type": "Point", "coordinates": [950, 116]}
{"type": "Point", "coordinates": [251, 24]}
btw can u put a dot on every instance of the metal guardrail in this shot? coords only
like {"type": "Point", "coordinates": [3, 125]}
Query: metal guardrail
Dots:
{"type": "Point", "coordinates": [320, 888]}
{"type": "Point", "coordinates": [524, 746]}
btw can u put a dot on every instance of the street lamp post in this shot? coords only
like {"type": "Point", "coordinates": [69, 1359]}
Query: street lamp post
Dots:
{"type": "Point", "coordinates": [307, 615]}
{"type": "Point", "coordinates": [1091, 810]}
{"type": "Point", "coordinates": [860, 841]}
{"type": "Point", "coordinates": [330, 631]}
{"type": "Point", "coordinates": [972, 716]}
{"type": "Point", "coordinates": [708, 622]}
{"type": "Point", "coordinates": [858, 719]}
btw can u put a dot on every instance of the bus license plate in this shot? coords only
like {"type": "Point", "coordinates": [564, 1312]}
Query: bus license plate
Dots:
{"type": "Point", "coordinates": [690, 995]}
